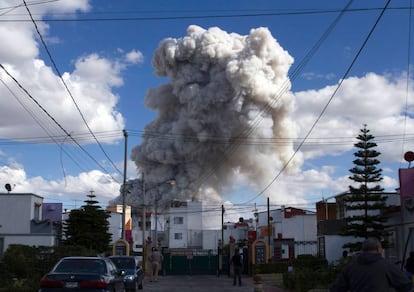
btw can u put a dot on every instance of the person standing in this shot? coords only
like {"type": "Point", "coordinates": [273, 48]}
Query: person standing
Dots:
{"type": "Point", "coordinates": [409, 264]}
{"type": "Point", "coordinates": [371, 272]}
{"type": "Point", "coordinates": [236, 260]}
{"type": "Point", "coordinates": [156, 260]}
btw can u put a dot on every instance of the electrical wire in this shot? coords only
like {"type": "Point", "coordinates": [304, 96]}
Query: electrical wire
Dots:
{"type": "Point", "coordinates": [298, 12]}
{"type": "Point", "coordinates": [30, 3]}
{"type": "Point", "coordinates": [38, 121]}
{"type": "Point", "coordinates": [345, 75]}
{"type": "Point", "coordinates": [269, 106]}
{"type": "Point", "coordinates": [54, 121]}
{"type": "Point", "coordinates": [407, 80]}
{"type": "Point", "coordinates": [67, 89]}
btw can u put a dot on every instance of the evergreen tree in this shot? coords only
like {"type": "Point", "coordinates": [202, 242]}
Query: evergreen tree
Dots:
{"type": "Point", "coordinates": [88, 227]}
{"type": "Point", "coordinates": [365, 204]}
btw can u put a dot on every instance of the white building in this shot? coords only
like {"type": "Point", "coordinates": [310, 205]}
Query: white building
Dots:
{"type": "Point", "coordinates": [293, 231]}
{"type": "Point", "coordinates": [184, 224]}
{"type": "Point", "coordinates": [21, 221]}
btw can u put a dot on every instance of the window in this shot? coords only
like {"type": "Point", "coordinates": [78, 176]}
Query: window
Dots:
{"type": "Point", "coordinates": [37, 211]}
{"type": "Point", "coordinates": [178, 236]}
{"type": "Point", "coordinates": [178, 220]}
{"type": "Point", "coordinates": [321, 247]}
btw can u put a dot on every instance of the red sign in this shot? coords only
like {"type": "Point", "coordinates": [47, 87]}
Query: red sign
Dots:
{"type": "Point", "coordinates": [252, 235]}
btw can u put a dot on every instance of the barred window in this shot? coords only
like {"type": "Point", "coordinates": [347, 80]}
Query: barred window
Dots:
{"type": "Point", "coordinates": [178, 220]}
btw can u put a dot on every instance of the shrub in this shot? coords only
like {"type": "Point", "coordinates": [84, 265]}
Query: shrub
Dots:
{"type": "Point", "coordinates": [309, 273]}
{"type": "Point", "coordinates": [23, 266]}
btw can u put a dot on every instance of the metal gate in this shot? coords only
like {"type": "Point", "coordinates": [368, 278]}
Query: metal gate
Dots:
{"type": "Point", "coordinates": [193, 264]}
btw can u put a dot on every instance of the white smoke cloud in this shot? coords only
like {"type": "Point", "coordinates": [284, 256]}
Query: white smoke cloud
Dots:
{"type": "Point", "coordinates": [227, 96]}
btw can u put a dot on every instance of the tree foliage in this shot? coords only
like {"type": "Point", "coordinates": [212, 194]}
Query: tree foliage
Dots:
{"type": "Point", "coordinates": [365, 204]}
{"type": "Point", "coordinates": [88, 227]}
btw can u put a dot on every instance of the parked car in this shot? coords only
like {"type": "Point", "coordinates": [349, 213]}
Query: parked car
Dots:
{"type": "Point", "coordinates": [134, 275]}
{"type": "Point", "coordinates": [83, 274]}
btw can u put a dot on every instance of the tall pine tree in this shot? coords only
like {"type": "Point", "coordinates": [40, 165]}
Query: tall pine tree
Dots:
{"type": "Point", "coordinates": [366, 201]}
{"type": "Point", "coordinates": [88, 227]}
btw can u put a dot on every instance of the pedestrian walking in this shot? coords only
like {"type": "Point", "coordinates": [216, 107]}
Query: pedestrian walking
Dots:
{"type": "Point", "coordinates": [371, 272]}
{"type": "Point", "coordinates": [156, 260]}
{"type": "Point", "coordinates": [236, 260]}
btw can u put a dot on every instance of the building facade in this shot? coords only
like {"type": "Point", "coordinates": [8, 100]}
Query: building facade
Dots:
{"type": "Point", "coordinates": [25, 219]}
{"type": "Point", "coordinates": [289, 231]}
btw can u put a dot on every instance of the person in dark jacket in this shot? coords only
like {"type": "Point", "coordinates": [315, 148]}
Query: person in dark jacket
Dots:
{"type": "Point", "coordinates": [409, 264]}
{"type": "Point", "coordinates": [371, 272]}
{"type": "Point", "coordinates": [236, 260]}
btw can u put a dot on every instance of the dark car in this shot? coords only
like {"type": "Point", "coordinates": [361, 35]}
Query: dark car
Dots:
{"type": "Point", "coordinates": [83, 274]}
{"type": "Point", "coordinates": [134, 275]}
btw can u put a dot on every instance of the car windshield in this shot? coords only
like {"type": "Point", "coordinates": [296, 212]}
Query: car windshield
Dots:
{"type": "Point", "coordinates": [124, 263]}
{"type": "Point", "coordinates": [95, 266]}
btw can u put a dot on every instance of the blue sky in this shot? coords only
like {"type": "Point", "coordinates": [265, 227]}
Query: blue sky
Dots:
{"type": "Point", "coordinates": [104, 50]}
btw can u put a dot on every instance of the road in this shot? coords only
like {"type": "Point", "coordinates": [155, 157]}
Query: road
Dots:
{"type": "Point", "coordinates": [202, 283]}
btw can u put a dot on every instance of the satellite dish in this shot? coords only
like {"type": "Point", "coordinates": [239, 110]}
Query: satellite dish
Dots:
{"type": "Point", "coordinates": [409, 156]}
{"type": "Point", "coordinates": [8, 187]}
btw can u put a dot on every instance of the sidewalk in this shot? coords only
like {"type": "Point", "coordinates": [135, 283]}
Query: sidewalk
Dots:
{"type": "Point", "coordinates": [203, 283]}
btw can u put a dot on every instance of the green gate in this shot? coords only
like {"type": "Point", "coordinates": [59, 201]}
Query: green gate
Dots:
{"type": "Point", "coordinates": [190, 264]}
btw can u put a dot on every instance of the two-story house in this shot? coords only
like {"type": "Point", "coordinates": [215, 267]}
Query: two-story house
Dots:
{"type": "Point", "coordinates": [292, 232]}
{"type": "Point", "coordinates": [25, 219]}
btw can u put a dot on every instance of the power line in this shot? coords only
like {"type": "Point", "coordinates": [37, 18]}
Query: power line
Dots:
{"type": "Point", "coordinates": [37, 120]}
{"type": "Point", "coordinates": [117, 134]}
{"type": "Point", "coordinates": [67, 88]}
{"type": "Point", "coordinates": [407, 79]}
{"type": "Point", "coordinates": [30, 3]}
{"type": "Point", "coordinates": [54, 120]}
{"type": "Point", "coordinates": [329, 101]}
{"type": "Point", "coordinates": [235, 143]}
{"type": "Point", "coordinates": [293, 12]}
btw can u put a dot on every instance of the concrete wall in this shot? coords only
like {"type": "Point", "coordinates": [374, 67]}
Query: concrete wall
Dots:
{"type": "Point", "coordinates": [300, 227]}
{"type": "Point", "coordinates": [16, 211]}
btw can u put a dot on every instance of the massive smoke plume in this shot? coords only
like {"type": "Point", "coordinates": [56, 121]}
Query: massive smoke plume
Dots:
{"type": "Point", "coordinates": [224, 112]}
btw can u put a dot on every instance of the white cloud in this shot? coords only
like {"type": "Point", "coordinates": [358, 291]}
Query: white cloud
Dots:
{"type": "Point", "coordinates": [91, 84]}
{"type": "Point", "coordinates": [375, 100]}
{"type": "Point", "coordinates": [315, 75]}
{"type": "Point", "coordinates": [134, 57]}
{"type": "Point", "coordinates": [66, 190]}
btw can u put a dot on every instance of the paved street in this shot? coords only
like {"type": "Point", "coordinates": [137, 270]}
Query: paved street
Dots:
{"type": "Point", "coordinates": [201, 283]}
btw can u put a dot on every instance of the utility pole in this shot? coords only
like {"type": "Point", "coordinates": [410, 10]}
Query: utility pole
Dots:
{"type": "Point", "coordinates": [222, 225]}
{"type": "Point", "coordinates": [144, 224]}
{"type": "Point", "coordinates": [124, 184]}
{"type": "Point", "coordinates": [268, 227]}
{"type": "Point", "coordinates": [221, 242]}
{"type": "Point", "coordinates": [156, 222]}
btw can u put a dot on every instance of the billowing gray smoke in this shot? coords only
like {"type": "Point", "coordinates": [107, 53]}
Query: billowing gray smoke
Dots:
{"type": "Point", "coordinates": [226, 100]}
